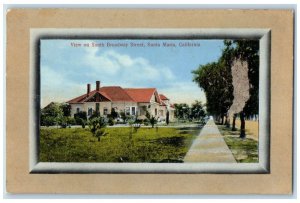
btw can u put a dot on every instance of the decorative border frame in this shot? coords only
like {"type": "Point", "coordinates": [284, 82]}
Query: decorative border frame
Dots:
{"type": "Point", "coordinates": [279, 179]}
{"type": "Point", "coordinates": [263, 35]}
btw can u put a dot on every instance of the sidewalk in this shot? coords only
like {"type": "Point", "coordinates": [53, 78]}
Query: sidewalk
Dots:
{"type": "Point", "coordinates": [209, 146]}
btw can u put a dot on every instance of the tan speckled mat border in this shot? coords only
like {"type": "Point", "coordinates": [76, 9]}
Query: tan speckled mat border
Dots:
{"type": "Point", "coordinates": [18, 179]}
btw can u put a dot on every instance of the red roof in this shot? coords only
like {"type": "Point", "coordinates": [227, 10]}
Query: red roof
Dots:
{"type": "Point", "coordinates": [81, 98]}
{"type": "Point", "coordinates": [141, 94]}
{"type": "Point", "coordinates": [112, 93]}
{"type": "Point", "coordinates": [163, 97]}
{"type": "Point", "coordinates": [117, 93]}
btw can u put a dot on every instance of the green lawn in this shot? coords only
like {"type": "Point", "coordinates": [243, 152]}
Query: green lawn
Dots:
{"type": "Point", "coordinates": [120, 145]}
{"type": "Point", "coordinates": [243, 150]}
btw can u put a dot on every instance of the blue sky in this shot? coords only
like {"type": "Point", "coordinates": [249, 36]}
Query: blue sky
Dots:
{"type": "Point", "coordinates": [65, 69]}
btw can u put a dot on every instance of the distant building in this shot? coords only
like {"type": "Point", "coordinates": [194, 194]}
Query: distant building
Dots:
{"type": "Point", "coordinates": [132, 101]}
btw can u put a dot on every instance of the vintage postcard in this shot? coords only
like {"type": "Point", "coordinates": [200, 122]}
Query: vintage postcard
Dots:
{"type": "Point", "coordinates": [198, 106]}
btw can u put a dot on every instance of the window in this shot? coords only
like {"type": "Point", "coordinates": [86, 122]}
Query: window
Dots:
{"type": "Point", "coordinates": [90, 111]}
{"type": "Point", "coordinates": [133, 110]}
{"type": "Point", "coordinates": [127, 111]}
{"type": "Point", "coordinates": [77, 110]}
{"type": "Point", "coordinates": [155, 112]}
{"type": "Point", "coordinates": [105, 111]}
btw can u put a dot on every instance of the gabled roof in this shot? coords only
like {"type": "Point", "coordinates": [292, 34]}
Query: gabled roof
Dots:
{"type": "Point", "coordinates": [140, 94]}
{"type": "Point", "coordinates": [110, 93]}
{"type": "Point", "coordinates": [163, 97]}
{"type": "Point", "coordinates": [117, 93]}
{"type": "Point", "coordinates": [97, 96]}
{"type": "Point", "coordinates": [81, 98]}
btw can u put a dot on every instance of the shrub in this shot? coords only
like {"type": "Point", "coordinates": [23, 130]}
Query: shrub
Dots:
{"type": "Point", "coordinates": [99, 133]}
{"type": "Point", "coordinates": [146, 122]}
{"type": "Point", "coordinates": [66, 109]}
{"type": "Point", "coordinates": [51, 114]}
{"type": "Point", "coordinates": [71, 121]}
{"type": "Point", "coordinates": [63, 122]}
{"type": "Point", "coordinates": [139, 121]}
{"type": "Point", "coordinates": [153, 121]}
{"type": "Point", "coordinates": [123, 116]}
{"type": "Point", "coordinates": [95, 115]}
{"type": "Point", "coordinates": [131, 119]}
{"type": "Point", "coordinates": [80, 116]}
{"type": "Point", "coordinates": [111, 121]}
{"type": "Point", "coordinates": [83, 122]}
{"type": "Point", "coordinates": [114, 114]}
{"type": "Point", "coordinates": [47, 120]}
{"type": "Point", "coordinates": [97, 127]}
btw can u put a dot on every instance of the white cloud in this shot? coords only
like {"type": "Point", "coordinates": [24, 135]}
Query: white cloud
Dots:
{"type": "Point", "coordinates": [124, 67]}
{"type": "Point", "coordinates": [122, 59]}
{"type": "Point", "coordinates": [168, 73]}
{"type": "Point", "coordinates": [102, 63]}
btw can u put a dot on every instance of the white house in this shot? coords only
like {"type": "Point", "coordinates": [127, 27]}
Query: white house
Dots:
{"type": "Point", "coordinates": [132, 101]}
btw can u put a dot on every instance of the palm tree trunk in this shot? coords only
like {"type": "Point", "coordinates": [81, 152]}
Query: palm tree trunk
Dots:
{"type": "Point", "coordinates": [167, 118]}
{"type": "Point", "coordinates": [233, 123]}
{"type": "Point", "coordinates": [243, 134]}
{"type": "Point", "coordinates": [227, 121]}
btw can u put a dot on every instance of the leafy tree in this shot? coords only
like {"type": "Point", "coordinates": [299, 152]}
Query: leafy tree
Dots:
{"type": "Point", "coordinates": [182, 111]}
{"type": "Point", "coordinates": [66, 108]}
{"type": "Point", "coordinates": [248, 50]}
{"type": "Point", "coordinates": [52, 114]}
{"type": "Point", "coordinates": [153, 121]}
{"type": "Point", "coordinates": [211, 79]}
{"type": "Point", "coordinates": [47, 120]}
{"type": "Point", "coordinates": [100, 132]}
{"type": "Point", "coordinates": [52, 109]}
{"type": "Point", "coordinates": [63, 122]}
{"type": "Point", "coordinates": [197, 110]}
{"type": "Point", "coordinates": [216, 80]}
{"type": "Point", "coordinates": [97, 127]}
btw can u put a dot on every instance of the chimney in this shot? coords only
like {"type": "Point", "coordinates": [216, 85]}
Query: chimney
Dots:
{"type": "Point", "coordinates": [97, 85]}
{"type": "Point", "coordinates": [88, 90]}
